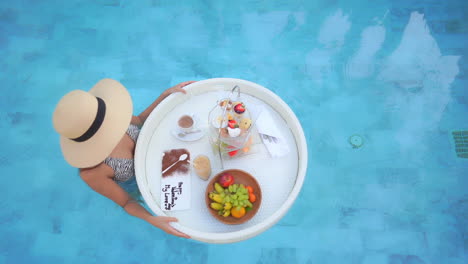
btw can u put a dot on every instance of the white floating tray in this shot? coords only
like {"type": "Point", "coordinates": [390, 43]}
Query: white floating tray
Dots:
{"type": "Point", "coordinates": [281, 179]}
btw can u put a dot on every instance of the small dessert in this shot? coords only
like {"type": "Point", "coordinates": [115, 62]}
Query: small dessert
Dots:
{"type": "Point", "coordinates": [224, 133]}
{"type": "Point", "coordinates": [227, 102]}
{"type": "Point", "coordinates": [245, 123]}
{"type": "Point", "coordinates": [239, 108]}
{"type": "Point", "coordinates": [233, 152]}
{"type": "Point", "coordinates": [219, 122]}
{"type": "Point", "coordinates": [247, 145]}
{"type": "Point", "coordinates": [234, 132]}
{"type": "Point", "coordinates": [202, 167]}
{"type": "Point", "coordinates": [224, 102]}
{"type": "Point", "coordinates": [232, 123]}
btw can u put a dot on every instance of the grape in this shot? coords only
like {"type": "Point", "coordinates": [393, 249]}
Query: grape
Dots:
{"type": "Point", "coordinates": [235, 196]}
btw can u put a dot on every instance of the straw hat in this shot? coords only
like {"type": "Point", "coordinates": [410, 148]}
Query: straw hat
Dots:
{"type": "Point", "coordinates": [92, 123]}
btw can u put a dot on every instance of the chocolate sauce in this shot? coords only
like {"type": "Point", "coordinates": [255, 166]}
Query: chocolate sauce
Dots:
{"type": "Point", "coordinates": [171, 156]}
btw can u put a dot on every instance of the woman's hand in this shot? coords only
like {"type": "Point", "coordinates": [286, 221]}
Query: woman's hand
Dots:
{"type": "Point", "coordinates": [141, 118]}
{"type": "Point", "coordinates": [178, 88]}
{"type": "Point", "coordinates": [162, 222]}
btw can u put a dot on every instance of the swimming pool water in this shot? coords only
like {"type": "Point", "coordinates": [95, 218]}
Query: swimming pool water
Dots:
{"type": "Point", "coordinates": [394, 73]}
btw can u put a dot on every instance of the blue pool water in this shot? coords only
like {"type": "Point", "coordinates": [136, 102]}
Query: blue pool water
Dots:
{"type": "Point", "coordinates": [392, 72]}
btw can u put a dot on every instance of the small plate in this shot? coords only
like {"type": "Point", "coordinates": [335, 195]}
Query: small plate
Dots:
{"type": "Point", "coordinates": [191, 136]}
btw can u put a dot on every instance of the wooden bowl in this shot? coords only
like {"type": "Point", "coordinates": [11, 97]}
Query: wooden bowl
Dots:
{"type": "Point", "coordinates": [240, 177]}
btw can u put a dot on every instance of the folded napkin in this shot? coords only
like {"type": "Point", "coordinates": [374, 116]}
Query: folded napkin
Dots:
{"type": "Point", "coordinates": [271, 135]}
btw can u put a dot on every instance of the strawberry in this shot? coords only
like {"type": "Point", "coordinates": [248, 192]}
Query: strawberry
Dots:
{"type": "Point", "coordinates": [232, 153]}
{"type": "Point", "coordinates": [239, 108]}
{"type": "Point", "coordinates": [232, 123]}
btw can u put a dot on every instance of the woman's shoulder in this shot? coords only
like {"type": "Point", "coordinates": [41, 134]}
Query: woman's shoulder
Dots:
{"type": "Point", "coordinates": [100, 170]}
{"type": "Point", "coordinates": [136, 121]}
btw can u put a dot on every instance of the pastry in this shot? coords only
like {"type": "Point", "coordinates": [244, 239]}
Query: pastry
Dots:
{"type": "Point", "coordinates": [219, 122]}
{"type": "Point", "coordinates": [224, 133]}
{"type": "Point", "coordinates": [245, 123]}
{"type": "Point", "coordinates": [227, 102]}
{"type": "Point", "coordinates": [202, 167]}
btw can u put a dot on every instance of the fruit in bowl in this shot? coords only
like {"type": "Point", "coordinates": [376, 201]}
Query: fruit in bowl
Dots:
{"type": "Point", "coordinates": [233, 200]}
{"type": "Point", "coordinates": [233, 196]}
{"type": "Point", "coordinates": [224, 181]}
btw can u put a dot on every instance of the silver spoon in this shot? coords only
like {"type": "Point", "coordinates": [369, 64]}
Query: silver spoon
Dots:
{"type": "Point", "coordinates": [183, 134]}
{"type": "Point", "coordinates": [181, 158]}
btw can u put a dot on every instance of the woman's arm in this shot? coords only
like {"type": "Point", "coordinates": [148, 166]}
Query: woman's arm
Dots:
{"type": "Point", "coordinates": [132, 207]}
{"type": "Point", "coordinates": [99, 182]}
{"type": "Point", "coordinates": [141, 118]}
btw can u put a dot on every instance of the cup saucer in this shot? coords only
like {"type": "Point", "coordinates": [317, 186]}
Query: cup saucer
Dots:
{"type": "Point", "coordinates": [193, 135]}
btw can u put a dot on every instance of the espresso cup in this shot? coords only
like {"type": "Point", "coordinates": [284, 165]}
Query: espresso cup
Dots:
{"type": "Point", "coordinates": [186, 123]}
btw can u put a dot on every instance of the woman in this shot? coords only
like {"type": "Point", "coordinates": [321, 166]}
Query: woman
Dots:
{"type": "Point", "coordinates": [98, 135]}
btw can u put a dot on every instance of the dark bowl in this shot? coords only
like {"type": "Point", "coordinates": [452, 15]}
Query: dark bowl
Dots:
{"type": "Point", "coordinates": [240, 177]}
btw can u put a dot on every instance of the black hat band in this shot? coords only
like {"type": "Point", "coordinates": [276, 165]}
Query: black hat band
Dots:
{"type": "Point", "coordinates": [101, 113]}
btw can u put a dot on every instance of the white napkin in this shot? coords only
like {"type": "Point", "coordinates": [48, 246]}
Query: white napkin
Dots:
{"type": "Point", "coordinates": [275, 143]}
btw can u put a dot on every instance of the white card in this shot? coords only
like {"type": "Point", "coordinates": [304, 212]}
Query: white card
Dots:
{"type": "Point", "coordinates": [175, 192]}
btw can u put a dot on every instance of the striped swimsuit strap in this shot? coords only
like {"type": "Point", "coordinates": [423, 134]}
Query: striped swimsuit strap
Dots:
{"type": "Point", "coordinates": [124, 169]}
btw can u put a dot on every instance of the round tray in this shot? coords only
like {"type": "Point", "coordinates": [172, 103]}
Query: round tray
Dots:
{"type": "Point", "coordinates": [281, 179]}
{"type": "Point", "coordinates": [240, 177]}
